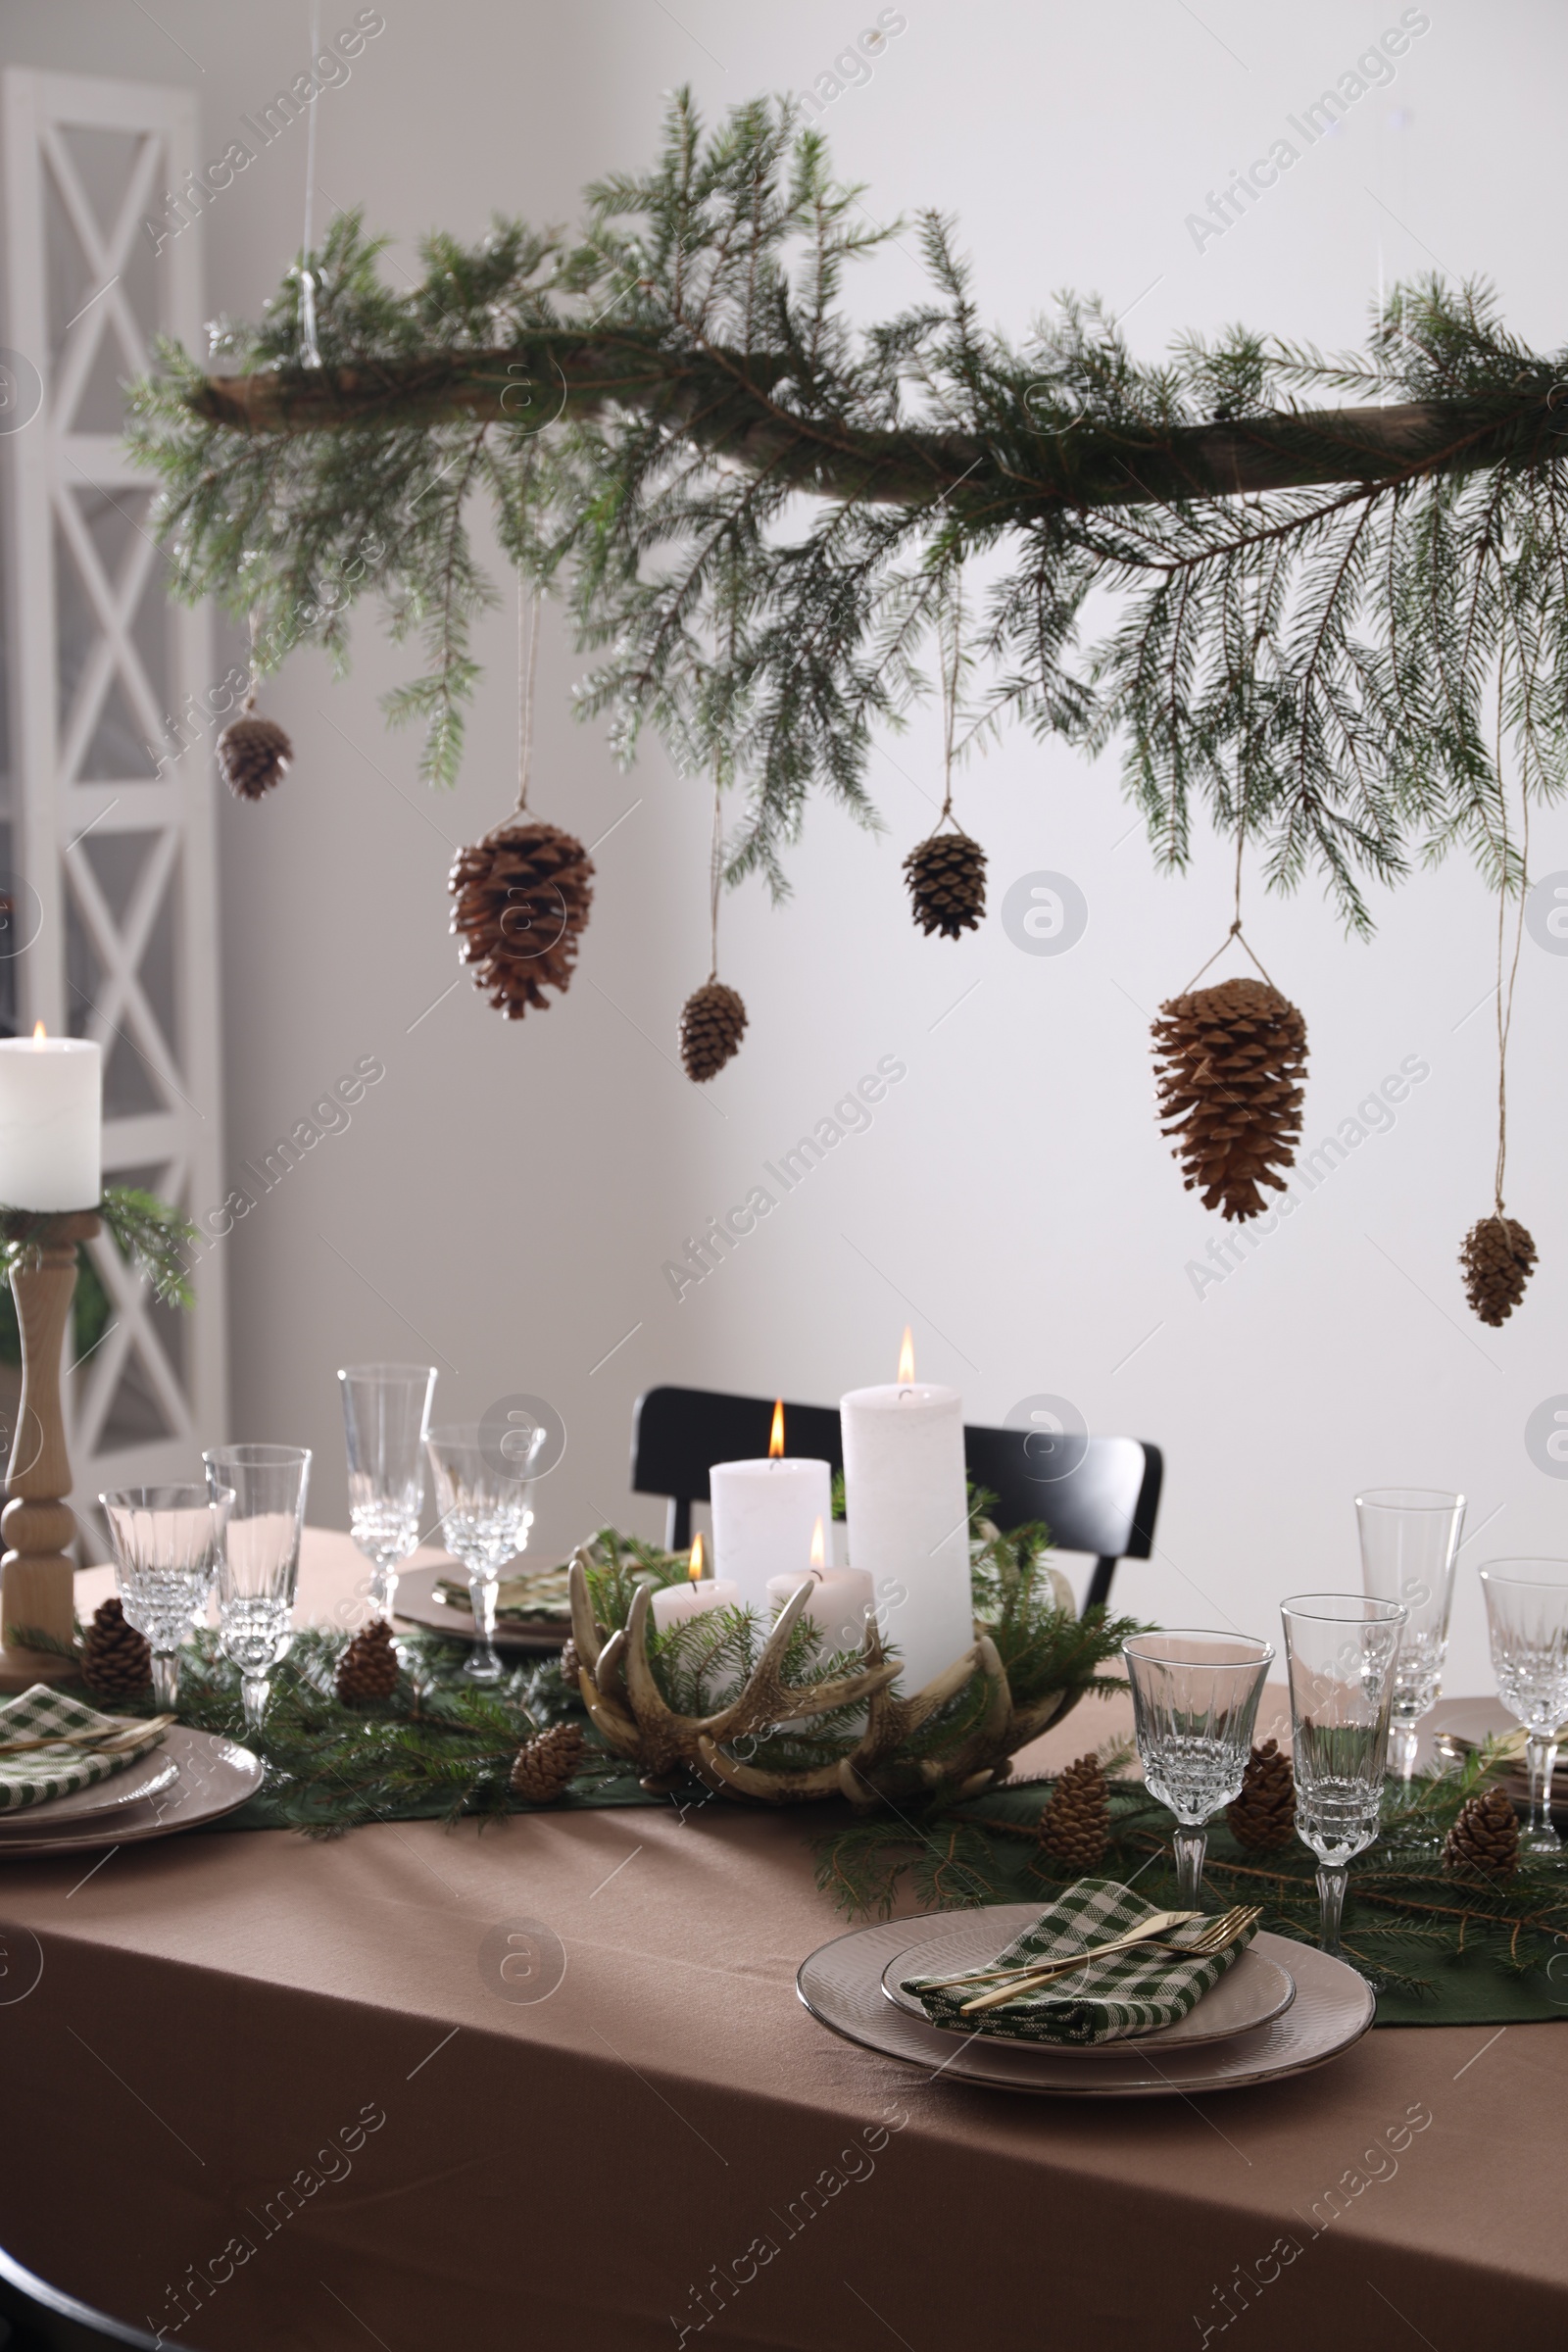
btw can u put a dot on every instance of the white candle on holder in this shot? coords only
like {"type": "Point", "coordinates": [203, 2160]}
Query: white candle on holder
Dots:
{"type": "Point", "coordinates": [908, 1516]}
{"type": "Point", "coordinates": [841, 1598]}
{"type": "Point", "coordinates": [676, 1602]}
{"type": "Point", "coordinates": [764, 1514]}
{"type": "Point", "coordinates": [51, 1122]}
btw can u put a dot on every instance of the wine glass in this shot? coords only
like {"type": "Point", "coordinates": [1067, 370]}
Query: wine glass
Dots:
{"type": "Point", "coordinates": [1342, 1649]}
{"type": "Point", "coordinates": [1195, 1702]}
{"type": "Point", "coordinates": [1526, 1618]}
{"type": "Point", "coordinates": [386, 1416]}
{"type": "Point", "coordinates": [166, 1541]}
{"type": "Point", "coordinates": [1409, 1544]}
{"type": "Point", "coordinates": [259, 1564]}
{"type": "Point", "coordinates": [486, 1512]}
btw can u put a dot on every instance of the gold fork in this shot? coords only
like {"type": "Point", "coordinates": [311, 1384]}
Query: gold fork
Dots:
{"type": "Point", "coordinates": [1220, 1934]}
{"type": "Point", "coordinates": [1155, 1925]}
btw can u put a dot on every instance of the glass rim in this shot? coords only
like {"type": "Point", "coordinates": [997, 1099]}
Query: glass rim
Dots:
{"type": "Point", "coordinates": [257, 1457]}
{"type": "Point", "coordinates": [387, 1372]}
{"type": "Point", "coordinates": [137, 1498]}
{"type": "Point", "coordinates": [1496, 1572]}
{"type": "Point", "coordinates": [1131, 1649]}
{"type": "Point", "coordinates": [1436, 1499]}
{"type": "Point", "coordinates": [1349, 1608]}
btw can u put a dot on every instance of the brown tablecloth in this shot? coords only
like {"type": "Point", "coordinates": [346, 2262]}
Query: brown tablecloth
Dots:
{"type": "Point", "coordinates": [279, 2087]}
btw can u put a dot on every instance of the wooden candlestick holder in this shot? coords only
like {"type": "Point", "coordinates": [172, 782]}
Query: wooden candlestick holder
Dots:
{"type": "Point", "coordinates": [36, 1587]}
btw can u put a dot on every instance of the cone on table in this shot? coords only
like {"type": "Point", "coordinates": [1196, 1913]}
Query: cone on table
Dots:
{"type": "Point", "coordinates": [1485, 1839]}
{"type": "Point", "coordinates": [713, 1022]}
{"type": "Point", "coordinates": [116, 1660]}
{"type": "Point", "coordinates": [947, 878]}
{"type": "Point", "coordinates": [369, 1667]}
{"type": "Point", "coordinates": [542, 1768]}
{"type": "Point", "coordinates": [521, 901]}
{"type": "Point", "coordinates": [1075, 1825]}
{"type": "Point", "coordinates": [1498, 1259]}
{"type": "Point", "coordinates": [253, 754]}
{"type": "Point", "coordinates": [1262, 1815]}
{"type": "Point", "coordinates": [1231, 1060]}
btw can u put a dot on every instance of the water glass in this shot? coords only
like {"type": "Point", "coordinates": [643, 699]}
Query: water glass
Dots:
{"type": "Point", "coordinates": [1526, 1618]}
{"type": "Point", "coordinates": [166, 1542]}
{"type": "Point", "coordinates": [1194, 1703]}
{"type": "Point", "coordinates": [386, 1418]}
{"type": "Point", "coordinates": [1409, 1544]}
{"type": "Point", "coordinates": [486, 1512]}
{"type": "Point", "coordinates": [1343, 1650]}
{"type": "Point", "coordinates": [259, 1565]}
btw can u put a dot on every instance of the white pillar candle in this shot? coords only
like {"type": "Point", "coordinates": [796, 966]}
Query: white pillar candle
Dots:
{"type": "Point", "coordinates": [51, 1122]}
{"type": "Point", "coordinates": [841, 1602]}
{"type": "Point", "coordinates": [676, 1602]}
{"type": "Point", "coordinates": [763, 1517]}
{"type": "Point", "coordinates": [908, 1518]}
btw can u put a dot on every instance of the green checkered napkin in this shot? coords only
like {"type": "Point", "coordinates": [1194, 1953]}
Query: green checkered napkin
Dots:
{"type": "Point", "coordinates": [1132, 1992]}
{"type": "Point", "coordinates": [36, 1774]}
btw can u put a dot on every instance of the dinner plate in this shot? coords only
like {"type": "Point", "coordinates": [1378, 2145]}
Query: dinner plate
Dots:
{"type": "Point", "coordinates": [841, 1985]}
{"type": "Point", "coordinates": [419, 1603]}
{"type": "Point", "coordinates": [155, 1770]}
{"type": "Point", "coordinates": [211, 1775]}
{"type": "Point", "coordinates": [1252, 1992]}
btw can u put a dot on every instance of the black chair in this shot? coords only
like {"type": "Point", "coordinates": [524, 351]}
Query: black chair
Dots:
{"type": "Point", "coordinates": [35, 2316]}
{"type": "Point", "coordinates": [1096, 1494]}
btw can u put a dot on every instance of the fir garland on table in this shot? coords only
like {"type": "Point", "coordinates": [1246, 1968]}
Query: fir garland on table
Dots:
{"type": "Point", "coordinates": [147, 1230]}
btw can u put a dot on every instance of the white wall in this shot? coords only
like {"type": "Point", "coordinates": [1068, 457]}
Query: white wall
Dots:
{"type": "Point", "coordinates": [507, 1196]}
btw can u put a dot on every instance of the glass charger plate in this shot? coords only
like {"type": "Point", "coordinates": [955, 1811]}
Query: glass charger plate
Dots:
{"type": "Point", "coordinates": [151, 1772]}
{"type": "Point", "coordinates": [419, 1603]}
{"type": "Point", "coordinates": [211, 1777]}
{"type": "Point", "coordinates": [1251, 1993]}
{"type": "Point", "coordinates": [841, 1985]}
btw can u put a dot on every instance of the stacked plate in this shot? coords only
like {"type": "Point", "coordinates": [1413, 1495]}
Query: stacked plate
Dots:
{"type": "Point", "coordinates": [422, 1601]}
{"type": "Point", "coordinates": [1282, 2009]}
{"type": "Point", "coordinates": [192, 1777]}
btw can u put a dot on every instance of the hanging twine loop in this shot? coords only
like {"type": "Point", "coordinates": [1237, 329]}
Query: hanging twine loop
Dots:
{"type": "Point", "coordinates": [1235, 932]}
{"type": "Point", "coordinates": [951, 660]}
{"type": "Point", "coordinates": [527, 662]}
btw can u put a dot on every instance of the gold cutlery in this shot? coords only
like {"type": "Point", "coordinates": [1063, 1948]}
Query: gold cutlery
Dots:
{"type": "Point", "coordinates": [1219, 1934]}
{"type": "Point", "coordinates": [1156, 1925]}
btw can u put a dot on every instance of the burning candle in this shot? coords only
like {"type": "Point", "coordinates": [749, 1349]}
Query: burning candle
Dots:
{"type": "Point", "coordinates": [841, 1598]}
{"type": "Point", "coordinates": [908, 1515]}
{"type": "Point", "coordinates": [699, 1594]}
{"type": "Point", "coordinates": [51, 1122]}
{"type": "Point", "coordinates": [764, 1514]}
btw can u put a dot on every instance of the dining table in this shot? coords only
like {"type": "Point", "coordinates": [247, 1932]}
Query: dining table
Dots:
{"type": "Point", "coordinates": [546, 2081]}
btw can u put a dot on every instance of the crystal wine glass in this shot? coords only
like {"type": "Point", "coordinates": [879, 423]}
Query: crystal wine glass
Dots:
{"type": "Point", "coordinates": [1195, 1702]}
{"type": "Point", "coordinates": [1409, 1544]}
{"type": "Point", "coordinates": [259, 1565]}
{"type": "Point", "coordinates": [486, 1512]}
{"type": "Point", "coordinates": [1526, 1618]}
{"type": "Point", "coordinates": [1343, 1650]}
{"type": "Point", "coordinates": [386, 1417]}
{"type": "Point", "coordinates": [166, 1541]}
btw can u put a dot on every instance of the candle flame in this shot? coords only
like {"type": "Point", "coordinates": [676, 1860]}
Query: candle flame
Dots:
{"type": "Point", "coordinates": [39, 1033]}
{"type": "Point", "coordinates": [818, 1547]}
{"type": "Point", "coordinates": [775, 1443]}
{"type": "Point", "coordinates": [907, 1357]}
{"type": "Point", "coordinates": [695, 1571]}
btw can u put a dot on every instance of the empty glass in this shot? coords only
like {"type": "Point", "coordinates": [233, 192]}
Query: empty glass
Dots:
{"type": "Point", "coordinates": [1527, 1617]}
{"type": "Point", "coordinates": [386, 1417]}
{"type": "Point", "coordinates": [486, 1512]}
{"type": "Point", "coordinates": [166, 1542]}
{"type": "Point", "coordinates": [259, 1565]}
{"type": "Point", "coordinates": [1195, 1702]}
{"type": "Point", "coordinates": [1409, 1544]}
{"type": "Point", "coordinates": [1342, 1649]}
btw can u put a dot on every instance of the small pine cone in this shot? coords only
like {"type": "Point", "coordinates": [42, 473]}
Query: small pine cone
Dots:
{"type": "Point", "coordinates": [116, 1660]}
{"type": "Point", "coordinates": [542, 1768]}
{"type": "Point", "coordinates": [1498, 1259]}
{"type": "Point", "coordinates": [1075, 1825]}
{"type": "Point", "coordinates": [1485, 1839]}
{"type": "Point", "coordinates": [253, 754]}
{"type": "Point", "coordinates": [522, 899]}
{"type": "Point", "coordinates": [570, 1663]}
{"type": "Point", "coordinates": [1231, 1060]}
{"type": "Point", "coordinates": [369, 1667]}
{"type": "Point", "coordinates": [713, 1022]}
{"type": "Point", "coordinates": [947, 878]}
{"type": "Point", "coordinates": [1262, 1817]}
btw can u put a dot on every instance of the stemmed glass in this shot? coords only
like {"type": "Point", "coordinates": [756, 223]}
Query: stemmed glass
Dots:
{"type": "Point", "coordinates": [386, 1417]}
{"type": "Point", "coordinates": [1342, 1649]}
{"type": "Point", "coordinates": [486, 1512]}
{"type": "Point", "coordinates": [166, 1542]}
{"type": "Point", "coordinates": [259, 1562]}
{"type": "Point", "coordinates": [1526, 1618]}
{"type": "Point", "coordinates": [1195, 1702]}
{"type": "Point", "coordinates": [1409, 1544]}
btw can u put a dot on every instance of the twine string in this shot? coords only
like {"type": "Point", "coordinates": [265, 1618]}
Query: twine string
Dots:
{"type": "Point", "coordinates": [1506, 992]}
{"type": "Point", "coordinates": [253, 686]}
{"type": "Point", "coordinates": [527, 662]}
{"type": "Point", "coordinates": [1235, 932]}
{"type": "Point", "coordinates": [716, 872]}
{"type": "Point", "coordinates": [950, 699]}
{"type": "Point", "coordinates": [310, 354]}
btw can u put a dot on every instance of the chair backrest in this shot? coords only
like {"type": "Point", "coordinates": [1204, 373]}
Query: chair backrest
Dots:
{"type": "Point", "coordinates": [1096, 1494]}
{"type": "Point", "coordinates": [35, 2316]}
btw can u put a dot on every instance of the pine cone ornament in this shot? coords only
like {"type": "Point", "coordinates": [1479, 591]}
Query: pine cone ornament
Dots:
{"type": "Point", "coordinates": [1234, 1057]}
{"type": "Point", "coordinates": [369, 1667]}
{"type": "Point", "coordinates": [947, 878]}
{"type": "Point", "coordinates": [1498, 1259]}
{"type": "Point", "coordinates": [523, 897]}
{"type": "Point", "coordinates": [116, 1660]}
{"type": "Point", "coordinates": [253, 754]}
{"type": "Point", "coordinates": [1262, 1817]}
{"type": "Point", "coordinates": [713, 1022]}
{"type": "Point", "coordinates": [541, 1769]}
{"type": "Point", "coordinates": [1484, 1838]}
{"type": "Point", "coordinates": [1075, 1825]}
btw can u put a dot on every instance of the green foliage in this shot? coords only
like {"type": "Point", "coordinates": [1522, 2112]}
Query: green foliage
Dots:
{"type": "Point", "coordinates": [146, 1230]}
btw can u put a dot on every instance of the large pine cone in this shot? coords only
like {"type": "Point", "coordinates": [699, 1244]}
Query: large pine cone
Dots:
{"type": "Point", "coordinates": [253, 754]}
{"type": "Point", "coordinates": [369, 1667]}
{"type": "Point", "coordinates": [947, 878]}
{"type": "Point", "coordinates": [1498, 1259]}
{"type": "Point", "coordinates": [116, 1660]}
{"type": "Point", "coordinates": [523, 897]}
{"type": "Point", "coordinates": [1262, 1816]}
{"type": "Point", "coordinates": [1075, 1825]}
{"type": "Point", "coordinates": [542, 1768]}
{"type": "Point", "coordinates": [1234, 1057]}
{"type": "Point", "coordinates": [713, 1022]}
{"type": "Point", "coordinates": [1484, 1838]}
